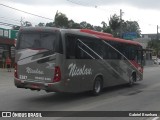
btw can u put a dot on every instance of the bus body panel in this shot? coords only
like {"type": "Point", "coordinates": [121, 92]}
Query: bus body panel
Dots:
{"type": "Point", "coordinates": [36, 68]}
{"type": "Point", "coordinates": [36, 71]}
{"type": "Point", "coordinates": [37, 65]}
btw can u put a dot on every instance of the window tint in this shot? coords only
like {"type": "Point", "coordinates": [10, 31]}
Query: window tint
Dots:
{"type": "Point", "coordinates": [129, 51]}
{"type": "Point", "coordinates": [93, 46]}
{"type": "Point", "coordinates": [83, 51]}
{"type": "Point", "coordinates": [70, 46]}
{"type": "Point", "coordinates": [79, 47]}
{"type": "Point", "coordinates": [140, 55]}
{"type": "Point", "coordinates": [37, 41]}
{"type": "Point", "coordinates": [110, 51]}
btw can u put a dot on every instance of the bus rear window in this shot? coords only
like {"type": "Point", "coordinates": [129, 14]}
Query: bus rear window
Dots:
{"type": "Point", "coordinates": [37, 41]}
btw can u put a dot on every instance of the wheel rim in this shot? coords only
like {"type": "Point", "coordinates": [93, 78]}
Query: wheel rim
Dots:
{"type": "Point", "coordinates": [131, 81]}
{"type": "Point", "coordinates": [97, 86]}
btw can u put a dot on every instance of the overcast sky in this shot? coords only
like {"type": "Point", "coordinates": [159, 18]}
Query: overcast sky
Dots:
{"type": "Point", "coordinates": [145, 12]}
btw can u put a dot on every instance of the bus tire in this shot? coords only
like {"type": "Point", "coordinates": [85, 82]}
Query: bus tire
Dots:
{"type": "Point", "coordinates": [97, 86]}
{"type": "Point", "coordinates": [132, 79]}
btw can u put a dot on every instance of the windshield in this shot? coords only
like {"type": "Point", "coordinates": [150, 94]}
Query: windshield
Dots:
{"type": "Point", "coordinates": [37, 41]}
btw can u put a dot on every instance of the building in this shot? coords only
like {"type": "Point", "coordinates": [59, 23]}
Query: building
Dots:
{"type": "Point", "coordinates": [7, 44]}
{"type": "Point", "coordinates": [143, 41]}
{"type": "Point", "coordinates": [151, 36]}
{"type": "Point", "coordinates": [147, 53]}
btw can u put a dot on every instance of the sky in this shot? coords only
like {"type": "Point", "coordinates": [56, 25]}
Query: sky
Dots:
{"type": "Point", "coordinates": [145, 12]}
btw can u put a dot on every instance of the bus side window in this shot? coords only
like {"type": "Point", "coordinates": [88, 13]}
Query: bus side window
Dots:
{"type": "Point", "coordinates": [70, 47]}
{"type": "Point", "coordinates": [140, 56]}
{"type": "Point", "coordinates": [82, 49]}
{"type": "Point", "coordinates": [106, 52]}
{"type": "Point", "coordinates": [79, 50]}
{"type": "Point", "coordinates": [76, 49]}
{"type": "Point", "coordinates": [112, 50]}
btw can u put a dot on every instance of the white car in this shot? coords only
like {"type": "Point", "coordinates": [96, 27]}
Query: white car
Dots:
{"type": "Point", "coordinates": [158, 61]}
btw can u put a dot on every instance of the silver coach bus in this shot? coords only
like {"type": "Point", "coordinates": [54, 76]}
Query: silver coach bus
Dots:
{"type": "Point", "coordinates": [66, 60]}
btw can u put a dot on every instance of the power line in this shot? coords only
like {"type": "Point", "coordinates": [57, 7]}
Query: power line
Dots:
{"type": "Point", "coordinates": [5, 25]}
{"type": "Point", "coordinates": [84, 4]}
{"type": "Point", "coordinates": [87, 5]}
{"type": "Point", "coordinates": [78, 3]}
{"type": "Point", "coordinates": [8, 24]}
{"type": "Point", "coordinates": [13, 21]}
{"type": "Point", "coordinates": [25, 12]}
{"type": "Point", "coordinates": [10, 19]}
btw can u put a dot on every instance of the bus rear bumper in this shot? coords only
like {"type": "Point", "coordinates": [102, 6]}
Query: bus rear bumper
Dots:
{"type": "Point", "coordinates": [48, 87]}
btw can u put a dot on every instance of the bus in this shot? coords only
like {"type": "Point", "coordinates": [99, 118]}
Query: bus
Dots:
{"type": "Point", "coordinates": [74, 60]}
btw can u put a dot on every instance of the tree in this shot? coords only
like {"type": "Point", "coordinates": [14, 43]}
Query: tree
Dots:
{"type": "Point", "coordinates": [76, 26]}
{"type": "Point", "coordinates": [83, 24]}
{"type": "Point", "coordinates": [15, 27]}
{"type": "Point", "coordinates": [73, 25]}
{"type": "Point", "coordinates": [97, 28]}
{"type": "Point", "coordinates": [104, 25]}
{"type": "Point", "coordinates": [127, 26]}
{"type": "Point", "coordinates": [27, 24]}
{"type": "Point", "coordinates": [155, 45]}
{"type": "Point", "coordinates": [41, 24]}
{"type": "Point", "coordinates": [50, 24]}
{"type": "Point", "coordinates": [61, 20]}
{"type": "Point", "coordinates": [114, 24]}
{"type": "Point", "coordinates": [106, 28]}
{"type": "Point", "coordinates": [89, 26]}
{"type": "Point", "coordinates": [70, 23]}
{"type": "Point", "coordinates": [131, 26]}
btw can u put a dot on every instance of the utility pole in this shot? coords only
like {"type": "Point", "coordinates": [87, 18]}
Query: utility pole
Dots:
{"type": "Point", "coordinates": [157, 33]}
{"type": "Point", "coordinates": [21, 21]}
{"type": "Point", "coordinates": [121, 13]}
{"type": "Point", "coordinates": [157, 40]}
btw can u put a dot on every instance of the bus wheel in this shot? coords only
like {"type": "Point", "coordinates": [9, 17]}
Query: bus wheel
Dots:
{"type": "Point", "coordinates": [132, 79]}
{"type": "Point", "coordinates": [97, 87]}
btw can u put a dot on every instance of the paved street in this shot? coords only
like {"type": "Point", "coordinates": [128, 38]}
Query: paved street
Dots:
{"type": "Point", "coordinates": [144, 96]}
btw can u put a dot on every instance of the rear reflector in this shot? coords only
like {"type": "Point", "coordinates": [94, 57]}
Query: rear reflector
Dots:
{"type": "Point", "coordinates": [15, 71]}
{"type": "Point", "coordinates": [57, 74]}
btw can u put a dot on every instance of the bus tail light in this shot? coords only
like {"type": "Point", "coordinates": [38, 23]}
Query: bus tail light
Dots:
{"type": "Point", "coordinates": [57, 74]}
{"type": "Point", "coordinates": [15, 71]}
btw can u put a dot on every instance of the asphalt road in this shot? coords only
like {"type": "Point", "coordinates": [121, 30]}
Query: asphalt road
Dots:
{"type": "Point", "coordinates": [143, 96]}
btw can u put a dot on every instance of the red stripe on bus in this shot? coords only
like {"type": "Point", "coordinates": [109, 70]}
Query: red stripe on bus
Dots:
{"type": "Point", "coordinates": [95, 32]}
{"type": "Point", "coordinates": [109, 37]}
{"type": "Point", "coordinates": [118, 40]}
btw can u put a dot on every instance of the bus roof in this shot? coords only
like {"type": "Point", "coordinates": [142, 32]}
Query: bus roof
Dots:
{"type": "Point", "coordinates": [119, 40]}
{"type": "Point", "coordinates": [108, 37]}
{"type": "Point", "coordinates": [101, 35]}
{"type": "Point", "coordinates": [96, 33]}
{"type": "Point", "coordinates": [38, 29]}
